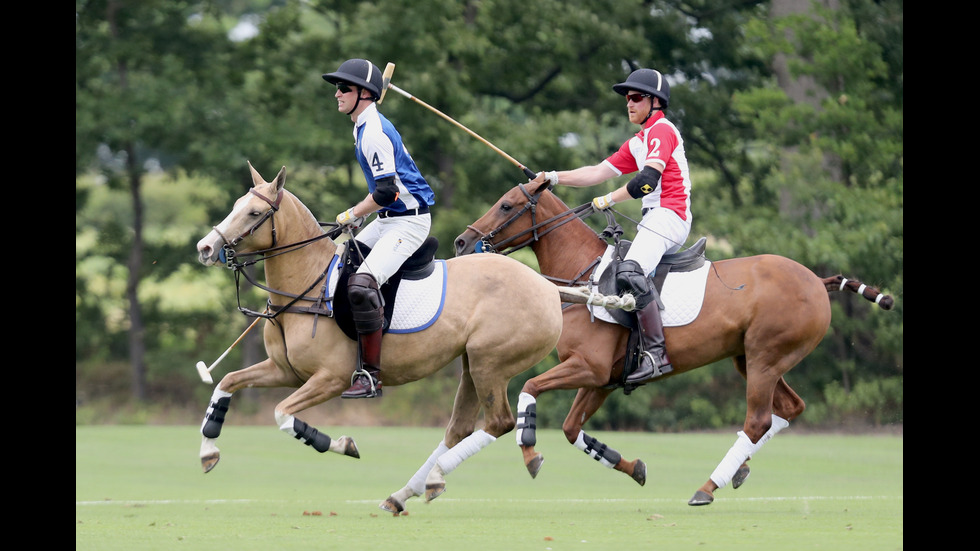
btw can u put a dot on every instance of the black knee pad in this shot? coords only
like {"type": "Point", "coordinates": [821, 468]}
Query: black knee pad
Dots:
{"type": "Point", "coordinates": [631, 279]}
{"type": "Point", "coordinates": [367, 306]}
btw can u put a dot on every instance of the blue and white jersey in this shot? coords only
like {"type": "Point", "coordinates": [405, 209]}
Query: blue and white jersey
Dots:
{"type": "Point", "coordinates": [381, 154]}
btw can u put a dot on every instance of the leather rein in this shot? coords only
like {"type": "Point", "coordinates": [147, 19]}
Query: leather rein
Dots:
{"type": "Point", "coordinates": [613, 230]}
{"type": "Point", "coordinates": [231, 260]}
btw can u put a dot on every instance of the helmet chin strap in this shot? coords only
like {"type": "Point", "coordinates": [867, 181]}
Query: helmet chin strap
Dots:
{"type": "Point", "coordinates": [650, 114]}
{"type": "Point", "coordinates": [358, 102]}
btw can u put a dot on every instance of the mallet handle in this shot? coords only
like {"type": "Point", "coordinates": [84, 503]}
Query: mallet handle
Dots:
{"type": "Point", "coordinates": [238, 340]}
{"type": "Point", "coordinates": [527, 172]}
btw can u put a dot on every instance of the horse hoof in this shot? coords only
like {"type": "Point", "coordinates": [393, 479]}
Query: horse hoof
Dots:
{"type": "Point", "coordinates": [391, 505]}
{"type": "Point", "coordinates": [350, 448]}
{"type": "Point", "coordinates": [740, 475]}
{"type": "Point", "coordinates": [534, 465]}
{"type": "Point", "coordinates": [208, 462]}
{"type": "Point", "coordinates": [433, 491]}
{"type": "Point", "coordinates": [640, 472]}
{"type": "Point", "coordinates": [701, 498]}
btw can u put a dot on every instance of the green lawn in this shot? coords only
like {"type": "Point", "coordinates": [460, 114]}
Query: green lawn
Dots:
{"type": "Point", "coordinates": [142, 488]}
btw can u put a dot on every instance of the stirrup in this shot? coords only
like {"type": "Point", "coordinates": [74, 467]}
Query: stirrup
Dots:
{"type": "Point", "coordinates": [373, 386]}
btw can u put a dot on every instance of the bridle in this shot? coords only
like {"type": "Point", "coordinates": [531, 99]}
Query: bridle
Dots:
{"type": "Point", "coordinates": [233, 260]}
{"type": "Point", "coordinates": [228, 249]}
{"type": "Point", "coordinates": [505, 247]}
{"type": "Point", "coordinates": [613, 230]}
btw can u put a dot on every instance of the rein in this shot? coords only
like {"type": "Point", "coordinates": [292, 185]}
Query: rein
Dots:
{"type": "Point", "coordinates": [230, 258]}
{"type": "Point", "coordinates": [613, 230]}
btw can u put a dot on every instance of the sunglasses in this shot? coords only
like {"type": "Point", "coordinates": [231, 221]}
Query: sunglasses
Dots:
{"type": "Point", "coordinates": [636, 98]}
{"type": "Point", "coordinates": [344, 88]}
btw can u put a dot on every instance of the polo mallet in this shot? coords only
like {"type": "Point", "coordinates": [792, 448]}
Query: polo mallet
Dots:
{"type": "Point", "coordinates": [205, 372]}
{"type": "Point", "coordinates": [386, 83]}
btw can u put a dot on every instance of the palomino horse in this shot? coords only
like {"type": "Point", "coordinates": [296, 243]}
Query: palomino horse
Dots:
{"type": "Point", "coordinates": [272, 225]}
{"type": "Point", "coordinates": [766, 312]}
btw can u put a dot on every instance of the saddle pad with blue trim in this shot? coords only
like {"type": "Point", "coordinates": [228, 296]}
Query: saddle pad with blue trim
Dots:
{"type": "Point", "coordinates": [410, 306]}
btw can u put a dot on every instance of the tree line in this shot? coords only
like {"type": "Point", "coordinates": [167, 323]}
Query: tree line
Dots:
{"type": "Point", "coordinates": [792, 112]}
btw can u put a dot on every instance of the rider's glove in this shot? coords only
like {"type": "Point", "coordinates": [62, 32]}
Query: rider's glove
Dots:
{"type": "Point", "coordinates": [347, 218]}
{"type": "Point", "coordinates": [551, 177]}
{"type": "Point", "coordinates": [603, 202]}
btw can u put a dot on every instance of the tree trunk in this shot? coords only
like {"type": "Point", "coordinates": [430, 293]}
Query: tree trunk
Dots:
{"type": "Point", "coordinates": [137, 346]}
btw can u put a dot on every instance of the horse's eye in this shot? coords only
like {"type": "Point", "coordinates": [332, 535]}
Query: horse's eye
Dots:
{"type": "Point", "coordinates": [255, 214]}
{"type": "Point", "coordinates": [506, 207]}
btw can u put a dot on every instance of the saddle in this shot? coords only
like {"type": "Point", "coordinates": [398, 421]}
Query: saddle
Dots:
{"type": "Point", "coordinates": [687, 260]}
{"type": "Point", "coordinates": [418, 266]}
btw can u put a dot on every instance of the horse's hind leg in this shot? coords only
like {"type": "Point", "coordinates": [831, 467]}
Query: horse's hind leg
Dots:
{"type": "Point", "coordinates": [466, 410]}
{"type": "Point", "coordinates": [462, 441]}
{"type": "Point", "coordinates": [761, 424]}
{"type": "Point", "coordinates": [319, 388]}
{"type": "Point", "coordinates": [488, 391]}
{"type": "Point", "coordinates": [262, 374]}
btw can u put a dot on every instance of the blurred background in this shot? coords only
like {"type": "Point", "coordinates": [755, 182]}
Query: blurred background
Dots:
{"type": "Point", "coordinates": [791, 111]}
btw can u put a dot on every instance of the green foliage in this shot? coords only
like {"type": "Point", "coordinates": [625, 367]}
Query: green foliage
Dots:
{"type": "Point", "coordinates": [170, 105]}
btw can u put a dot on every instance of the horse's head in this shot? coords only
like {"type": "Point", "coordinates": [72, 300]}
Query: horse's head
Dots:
{"type": "Point", "coordinates": [250, 225]}
{"type": "Point", "coordinates": [510, 223]}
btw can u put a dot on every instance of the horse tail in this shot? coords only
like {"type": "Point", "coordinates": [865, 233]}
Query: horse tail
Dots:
{"type": "Point", "coordinates": [841, 283]}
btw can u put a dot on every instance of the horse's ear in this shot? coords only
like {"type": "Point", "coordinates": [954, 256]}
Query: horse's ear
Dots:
{"type": "Point", "coordinates": [256, 177]}
{"type": "Point", "coordinates": [540, 188]}
{"type": "Point", "coordinates": [281, 179]}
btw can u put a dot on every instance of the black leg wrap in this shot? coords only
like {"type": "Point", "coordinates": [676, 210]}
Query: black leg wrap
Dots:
{"type": "Point", "coordinates": [310, 436]}
{"type": "Point", "coordinates": [527, 420]}
{"type": "Point", "coordinates": [598, 450]}
{"type": "Point", "coordinates": [215, 417]}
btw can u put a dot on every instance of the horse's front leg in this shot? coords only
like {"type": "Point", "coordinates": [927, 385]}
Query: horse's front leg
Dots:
{"type": "Point", "coordinates": [322, 386]}
{"type": "Point", "coordinates": [573, 372]}
{"type": "Point", "coordinates": [587, 402]}
{"type": "Point", "coordinates": [262, 374]}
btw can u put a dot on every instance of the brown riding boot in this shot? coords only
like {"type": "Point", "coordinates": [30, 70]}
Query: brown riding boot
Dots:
{"type": "Point", "coordinates": [367, 309]}
{"type": "Point", "coordinates": [365, 382]}
{"type": "Point", "coordinates": [653, 359]}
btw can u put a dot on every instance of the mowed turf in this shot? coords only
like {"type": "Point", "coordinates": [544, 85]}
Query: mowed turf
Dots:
{"type": "Point", "coordinates": [142, 488]}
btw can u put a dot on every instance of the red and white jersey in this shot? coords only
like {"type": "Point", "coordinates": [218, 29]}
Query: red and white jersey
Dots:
{"type": "Point", "coordinates": [659, 143]}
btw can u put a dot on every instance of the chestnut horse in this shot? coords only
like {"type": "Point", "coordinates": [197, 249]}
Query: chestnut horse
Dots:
{"type": "Point", "coordinates": [766, 312]}
{"type": "Point", "coordinates": [271, 225]}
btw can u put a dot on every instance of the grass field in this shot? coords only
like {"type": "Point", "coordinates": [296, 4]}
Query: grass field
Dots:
{"type": "Point", "coordinates": [142, 488]}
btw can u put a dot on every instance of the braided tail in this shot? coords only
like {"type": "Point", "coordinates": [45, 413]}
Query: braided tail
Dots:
{"type": "Point", "coordinates": [841, 283]}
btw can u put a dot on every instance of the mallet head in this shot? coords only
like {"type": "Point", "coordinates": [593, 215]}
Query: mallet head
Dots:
{"type": "Point", "coordinates": [386, 80]}
{"type": "Point", "coordinates": [202, 370]}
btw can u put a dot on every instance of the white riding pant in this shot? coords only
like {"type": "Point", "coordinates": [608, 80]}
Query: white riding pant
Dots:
{"type": "Point", "coordinates": [661, 231]}
{"type": "Point", "coordinates": [392, 241]}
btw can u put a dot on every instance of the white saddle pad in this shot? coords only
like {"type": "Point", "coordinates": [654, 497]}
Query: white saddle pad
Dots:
{"type": "Point", "coordinates": [418, 303]}
{"type": "Point", "coordinates": [682, 295]}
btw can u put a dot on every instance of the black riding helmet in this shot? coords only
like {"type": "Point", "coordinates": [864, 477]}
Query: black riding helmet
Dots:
{"type": "Point", "coordinates": [648, 81]}
{"type": "Point", "coordinates": [359, 72]}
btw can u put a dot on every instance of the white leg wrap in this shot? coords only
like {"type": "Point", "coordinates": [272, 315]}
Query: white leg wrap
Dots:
{"type": "Point", "coordinates": [743, 449]}
{"type": "Point", "coordinates": [465, 449]}
{"type": "Point", "coordinates": [286, 423]}
{"type": "Point", "coordinates": [417, 483]}
{"type": "Point", "coordinates": [523, 401]}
